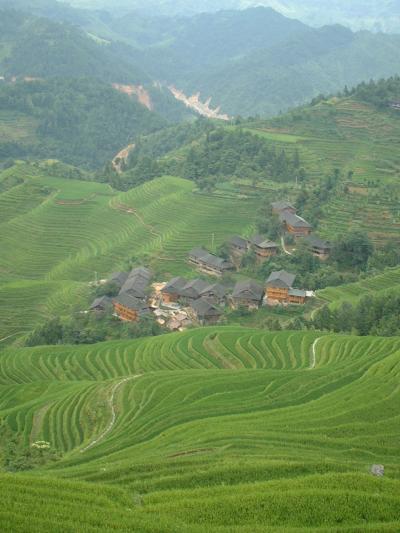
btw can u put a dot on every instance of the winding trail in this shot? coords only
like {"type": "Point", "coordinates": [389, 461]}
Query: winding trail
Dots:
{"type": "Point", "coordinates": [113, 413]}
{"type": "Point", "coordinates": [131, 211]}
{"type": "Point", "coordinates": [9, 336]}
{"type": "Point", "coordinates": [284, 247]}
{"type": "Point", "coordinates": [313, 353]}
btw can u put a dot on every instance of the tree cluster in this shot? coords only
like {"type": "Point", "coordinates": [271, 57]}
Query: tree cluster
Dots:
{"type": "Point", "coordinates": [90, 329]}
{"type": "Point", "coordinates": [372, 315]}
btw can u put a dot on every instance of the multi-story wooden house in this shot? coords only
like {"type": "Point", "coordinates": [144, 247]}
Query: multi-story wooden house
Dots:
{"type": "Point", "coordinates": [278, 286]}
{"type": "Point", "coordinates": [204, 312]}
{"type": "Point", "coordinates": [209, 263]}
{"type": "Point", "coordinates": [295, 225]}
{"type": "Point", "coordinates": [318, 247]}
{"type": "Point", "coordinates": [263, 248]}
{"type": "Point", "coordinates": [173, 290]}
{"type": "Point", "coordinates": [281, 206]}
{"type": "Point", "coordinates": [128, 308]}
{"type": "Point", "coordinates": [247, 294]}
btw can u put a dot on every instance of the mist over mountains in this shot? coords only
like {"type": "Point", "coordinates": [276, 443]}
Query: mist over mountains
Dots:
{"type": "Point", "coordinates": [373, 15]}
{"type": "Point", "coordinates": [244, 61]}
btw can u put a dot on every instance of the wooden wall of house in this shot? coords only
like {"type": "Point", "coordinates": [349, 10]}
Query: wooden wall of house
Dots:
{"type": "Point", "coordinates": [125, 313]}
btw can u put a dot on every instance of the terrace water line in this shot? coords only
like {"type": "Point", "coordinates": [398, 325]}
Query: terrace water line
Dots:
{"type": "Point", "coordinates": [313, 353]}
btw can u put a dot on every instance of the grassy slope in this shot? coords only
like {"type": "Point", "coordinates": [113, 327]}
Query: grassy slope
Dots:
{"type": "Point", "coordinates": [225, 430]}
{"type": "Point", "coordinates": [388, 281]}
{"type": "Point", "coordinates": [354, 137]}
{"type": "Point", "coordinates": [56, 233]}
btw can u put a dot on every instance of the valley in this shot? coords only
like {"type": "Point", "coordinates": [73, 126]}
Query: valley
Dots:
{"type": "Point", "coordinates": [199, 267]}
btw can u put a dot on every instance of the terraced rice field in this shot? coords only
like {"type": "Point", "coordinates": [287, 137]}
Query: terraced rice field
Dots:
{"type": "Point", "coordinates": [376, 285]}
{"type": "Point", "coordinates": [218, 429]}
{"type": "Point", "coordinates": [355, 137]}
{"type": "Point", "coordinates": [54, 230]}
{"type": "Point", "coordinates": [16, 127]}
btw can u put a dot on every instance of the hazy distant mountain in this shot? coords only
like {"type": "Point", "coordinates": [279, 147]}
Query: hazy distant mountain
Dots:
{"type": "Point", "coordinates": [257, 60]}
{"type": "Point", "coordinates": [381, 15]}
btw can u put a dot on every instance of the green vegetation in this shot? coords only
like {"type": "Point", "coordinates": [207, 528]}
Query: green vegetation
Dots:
{"type": "Point", "coordinates": [219, 428]}
{"type": "Point", "coordinates": [372, 315]}
{"type": "Point", "coordinates": [83, 122]}
{"type": "Point", "coordinates": [67, 230]}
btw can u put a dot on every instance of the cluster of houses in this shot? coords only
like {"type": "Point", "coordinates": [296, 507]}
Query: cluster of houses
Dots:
{"type": "Point", "coordinates": [179, 303]}
{"type": "Point", "coordinates": [300, 228]}
{"type": "Point", "coordinates": [131, 303]}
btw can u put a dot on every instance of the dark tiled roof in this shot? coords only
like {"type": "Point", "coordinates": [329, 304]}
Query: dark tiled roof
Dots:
{"type": "Point", "coordinates": [217, 289]}
{"type": "Point", "coordinates": [204, 309]}
{"type": "Point", "coordinates": [136, 286]}
{"type": "Point", "coordinates": [281, 205]}
{"type": "Point", "coordinates": [130, 302]}
{"type": "Point", "coordinates": [175, 285]}
{"type": "Point", "coordinates": [297, 292]}
{"type": "Point", "coordinates": [294, 220]}
{"type": "Point", "coordinates": [194, 288]}
{"type": "Point", "coordinates": [315, 241]}
{"type": "Point", "coordinates": [249, 290]}
{"type": "Point", "coordinates": [102, 302]}
{"type": "Point", "coordinates": [198, 253]}
{"type": "Point", "coordinates": [239, 242]}
{"type": "Point", "coordinates": [263, 242]}
{"type": "Point", "coordinates": [118, 278]}
{"type": "Point", "coordinates": [210, 260]}
{"type": "Point", "coordinates": [281, 279]}
{"type": "Point", "coordinates": [142, 272]}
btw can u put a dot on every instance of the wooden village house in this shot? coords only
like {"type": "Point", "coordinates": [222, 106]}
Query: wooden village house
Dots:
{"type": "Point", "coordinates": [281, 206]}
{"type": "Point", "coordinates": [209, 263]}
{"type": "Point", "coordinates": [295, 225]}
{"type": "Point", "coordinates": [318, 247]}
{"type": "Point", "coordinates": [247, 294]}
{"type": "Point", "coordinates": [101, 305]}
{"type": "Point", "coordinates": [279, 288]}
{"type": "Point", "coordinates": [128, 308]}
{"type": "Point", "coordinates": [263, 248]}
{"type": "Point", "coordinates": [172, 291]}
{"type": "Point", "coordinates": [204, 312]}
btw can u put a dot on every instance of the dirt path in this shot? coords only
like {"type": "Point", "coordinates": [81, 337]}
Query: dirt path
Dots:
{"type": "Point", "coordinates": [9, 337]}
{"type": "Point", "coordinates": [131, 211]}
{"type": "Point", "coordinates": [284, 247]}
{"type": "Point", "coordinates": [113, 413]}
{"type": "Point", "coordinates": [313, 353]}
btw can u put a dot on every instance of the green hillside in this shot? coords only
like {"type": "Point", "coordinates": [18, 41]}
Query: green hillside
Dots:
{"type": "Point", "coordinates": [387, 282]}
{"type": "Point", "coordinates": [356, 138]}
{"type": "Point", "coordinates": [56, 233]}
{"type": "Point", "coordinates": [220, 429]}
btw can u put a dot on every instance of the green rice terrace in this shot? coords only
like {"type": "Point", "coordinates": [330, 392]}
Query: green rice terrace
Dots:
{"type": "Point", "coordinates": [354, 137]}
{"type": "Point", "coordinates": [212, 430]}
{"type": "Point", "coordinates": [67, 230]}
{"type": "Point", "coordinates": [381, 284]}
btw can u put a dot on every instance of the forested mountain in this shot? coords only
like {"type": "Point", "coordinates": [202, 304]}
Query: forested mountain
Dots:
{"type": "Point", "coordinates": [377, 15]}
{"type": "Point", "coordinates": [80, 121]}
{"type": "Point", "coordinates": [257, 61]}
{"type": "Point", "coordinates": [38, 47]}
{"type": "Point", "coordinates": [253, 61]}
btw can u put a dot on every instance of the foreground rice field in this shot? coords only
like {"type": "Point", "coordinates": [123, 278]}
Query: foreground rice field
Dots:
{"type": "Point", "coordinates": [218, 429]}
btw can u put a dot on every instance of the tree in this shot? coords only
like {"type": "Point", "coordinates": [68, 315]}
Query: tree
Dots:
{"type": "Point", "coordinates": [353, 250]}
